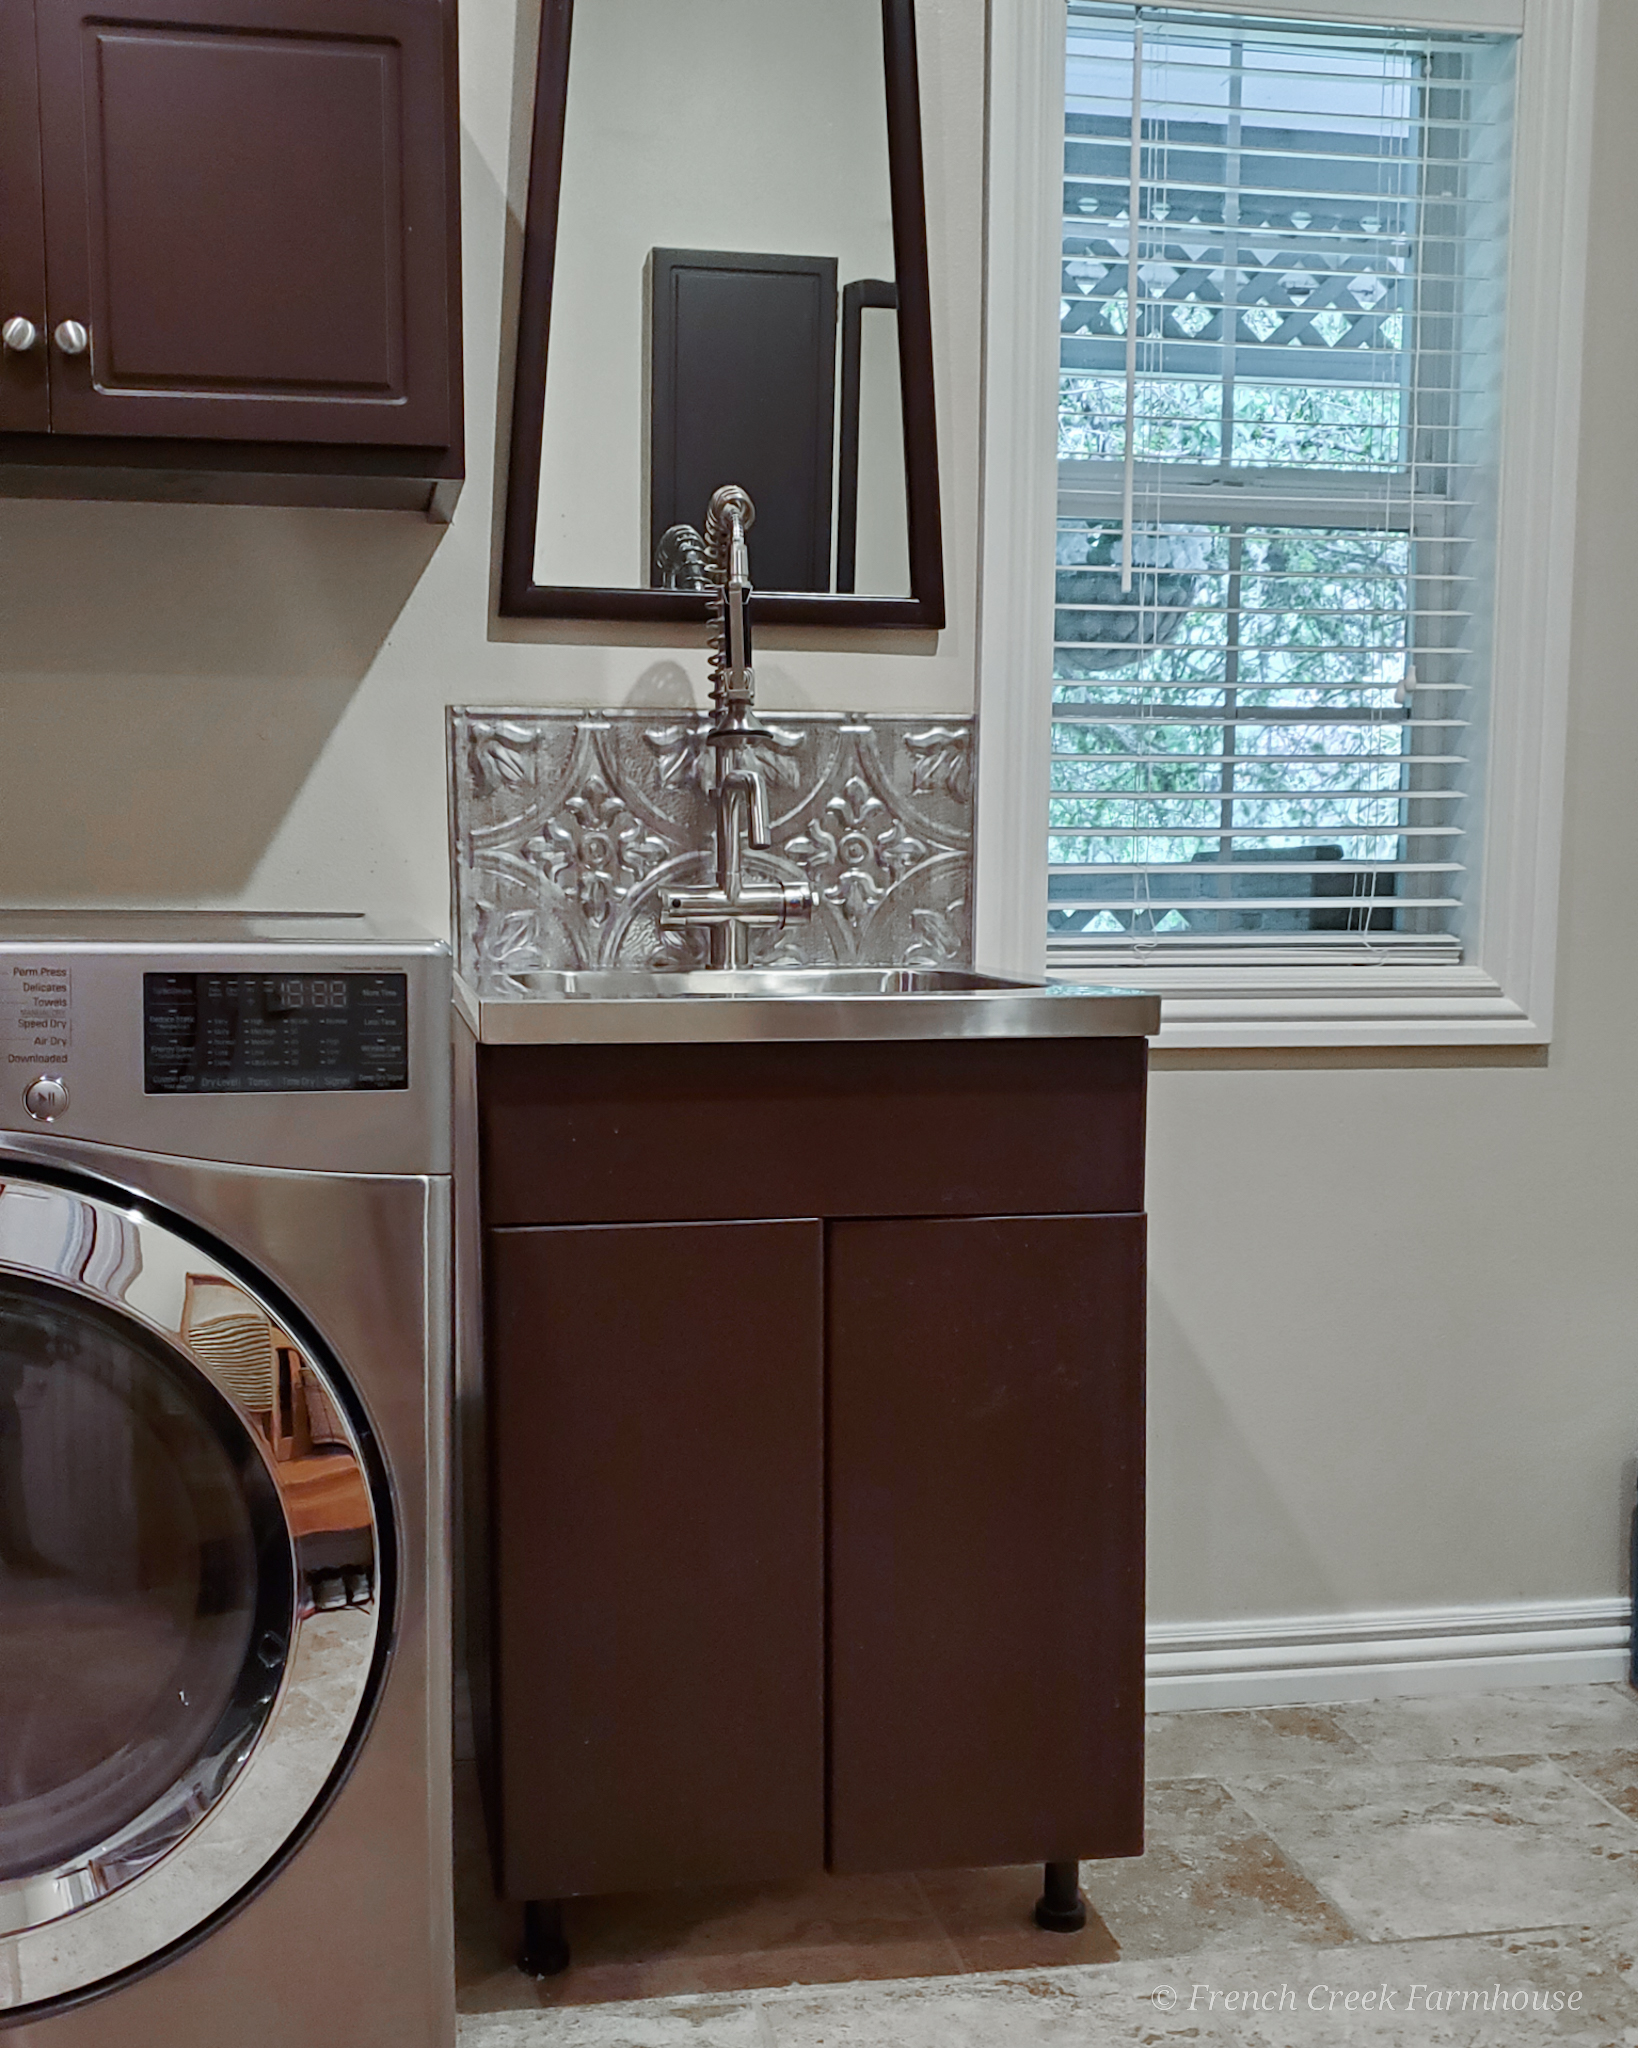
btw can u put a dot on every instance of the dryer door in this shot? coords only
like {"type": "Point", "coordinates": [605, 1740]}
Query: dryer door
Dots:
{"type": "Point", "coordinates": [190, 1563]}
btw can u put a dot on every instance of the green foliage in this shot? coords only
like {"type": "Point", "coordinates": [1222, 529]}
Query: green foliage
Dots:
{"type": "Point", "coordinates": [1346, 427]}
{"type": "Point", "coordinates": [1321, 626]}
{"type": "Point", "coordinates": [1318, 426]}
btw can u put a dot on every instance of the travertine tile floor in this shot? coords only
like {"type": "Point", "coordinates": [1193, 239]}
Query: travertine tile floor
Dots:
{"type": "Point", "coordinates": [1458, 1872]}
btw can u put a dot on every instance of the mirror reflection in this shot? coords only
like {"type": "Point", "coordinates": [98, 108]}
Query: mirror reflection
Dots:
{"type": "Point", "coordinates": [724, 305]}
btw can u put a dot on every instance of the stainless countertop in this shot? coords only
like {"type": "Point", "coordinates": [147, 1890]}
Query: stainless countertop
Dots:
{"type": "Point", "coordinates": [576, 1007]}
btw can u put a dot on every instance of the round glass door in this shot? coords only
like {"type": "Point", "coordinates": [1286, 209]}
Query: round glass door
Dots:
{"type": "Point", "coordinates": [188, 1587]}
{"type": "Point", "coordinates": [142, 1551]}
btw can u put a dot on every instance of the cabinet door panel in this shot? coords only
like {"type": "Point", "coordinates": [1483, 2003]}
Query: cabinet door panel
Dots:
{"type": "Point", "coordinates": [986, 1540]}
{"type": "Point", "coordinates": [656, 1417]}
{"type": "Point", "coordinates": [245, 204]}
{"type": "Point", "coordinates": [24, 407]}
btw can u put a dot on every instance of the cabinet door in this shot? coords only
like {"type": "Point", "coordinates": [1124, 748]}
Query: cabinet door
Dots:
{"type": "Point", "coordinates": [655, 1416]}
{"type": "Point", "coordinates": [246, 207]}
{"type": "Point", "coordinates": [986, 1540]}
{"type": "Point", "coordinates": [23, 402]}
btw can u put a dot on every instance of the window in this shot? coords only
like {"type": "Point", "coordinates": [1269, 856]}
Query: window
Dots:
{"type": "Point", "coordinates": [1292, 591]}
{"type": "Point", "coordinates": [1278, 403]}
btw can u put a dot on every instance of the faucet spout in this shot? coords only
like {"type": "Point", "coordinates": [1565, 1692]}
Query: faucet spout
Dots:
{"type": "Point", "coordinates": [728, 519]}
{"type": "Point", "coordinates": [734, 906]}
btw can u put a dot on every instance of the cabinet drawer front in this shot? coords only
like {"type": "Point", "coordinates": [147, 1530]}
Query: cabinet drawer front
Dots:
{"type": "Point", "coordinates": [633, 1133]}
{"type": "Point", "coordinates": [656, 1419]}
{"type": "Point", "coordinates": [986, 1540]}
{"type": "Point", "coordinates": [247, 206]}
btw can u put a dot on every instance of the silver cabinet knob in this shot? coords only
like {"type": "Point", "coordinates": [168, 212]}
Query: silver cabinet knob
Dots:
{"type": "Point", "coordinates": [71, 338]}
{"type": "Point", "coordinates": [19, 335]}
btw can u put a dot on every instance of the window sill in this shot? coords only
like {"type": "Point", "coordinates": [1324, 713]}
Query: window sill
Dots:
{"type": "Point", "coordinates": [1326, 1006]}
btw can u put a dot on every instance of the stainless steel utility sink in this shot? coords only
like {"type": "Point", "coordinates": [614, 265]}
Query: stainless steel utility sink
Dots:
{"type": "Point", "coordinates": [589, 1006]}
{"type": "Point", "coordinates": [600, 984]}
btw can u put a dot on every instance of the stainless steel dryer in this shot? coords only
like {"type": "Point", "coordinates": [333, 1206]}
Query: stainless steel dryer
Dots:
{"type": "Point", "coordinates": [224, 1742]}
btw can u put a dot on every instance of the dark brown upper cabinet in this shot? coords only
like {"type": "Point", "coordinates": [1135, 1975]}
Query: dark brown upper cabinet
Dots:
{"type": "Point", "coordinates": [724, 280]}
{"type": "Point", "coordinates": [24, 401]}
{"type": "Point", "coordinates": [229, 250]}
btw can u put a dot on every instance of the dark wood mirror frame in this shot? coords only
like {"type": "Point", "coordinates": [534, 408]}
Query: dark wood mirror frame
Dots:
{"type": "Point", "coordinates": [520, 595]}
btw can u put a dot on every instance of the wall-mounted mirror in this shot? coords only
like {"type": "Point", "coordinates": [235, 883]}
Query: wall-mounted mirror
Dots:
{"type": "Point", "coordinates": [725, 281]}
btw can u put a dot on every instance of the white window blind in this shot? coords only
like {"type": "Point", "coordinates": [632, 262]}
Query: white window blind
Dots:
{"type": "Point", "coordinates": [1284, 272]}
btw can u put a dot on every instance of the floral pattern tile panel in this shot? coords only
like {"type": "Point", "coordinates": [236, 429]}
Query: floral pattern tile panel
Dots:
{"type": "Point", "coordinates": [569, 825]}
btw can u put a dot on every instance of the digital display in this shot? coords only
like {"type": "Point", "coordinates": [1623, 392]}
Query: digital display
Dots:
{"type": "Point", "coordinates": [314, 992]}
{"type": "Point", "coordinates": [242, 1034]}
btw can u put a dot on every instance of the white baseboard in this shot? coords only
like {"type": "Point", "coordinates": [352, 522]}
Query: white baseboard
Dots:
{"type": "Point", "coordinates": [1315, 1659]}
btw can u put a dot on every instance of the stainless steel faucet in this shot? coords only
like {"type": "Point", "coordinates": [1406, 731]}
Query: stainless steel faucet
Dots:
{"type": "Point", "coordinates": [734, 905]}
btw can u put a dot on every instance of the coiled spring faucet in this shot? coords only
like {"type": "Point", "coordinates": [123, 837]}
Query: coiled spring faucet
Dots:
{"type": "Point", "coordinates": [732, 906]}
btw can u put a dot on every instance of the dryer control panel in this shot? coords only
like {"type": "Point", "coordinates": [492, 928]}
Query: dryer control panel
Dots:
{"type": "Point", "coordinates": [244, 1034]}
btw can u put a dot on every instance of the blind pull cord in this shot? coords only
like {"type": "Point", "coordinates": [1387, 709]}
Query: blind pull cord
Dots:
{"type": "Point", "coordinates": [1134, 203]}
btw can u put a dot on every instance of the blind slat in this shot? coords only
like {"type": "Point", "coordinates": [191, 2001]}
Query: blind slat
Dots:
{"type": "Point", "coordinates": [1342, 760]}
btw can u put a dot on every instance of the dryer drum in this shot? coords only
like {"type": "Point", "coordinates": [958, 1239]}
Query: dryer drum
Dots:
{"type": "Point", "coordinates": [189, 1604]}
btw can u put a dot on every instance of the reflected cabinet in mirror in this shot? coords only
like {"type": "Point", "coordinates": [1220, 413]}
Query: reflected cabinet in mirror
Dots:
{"type": "Point", "coordinates": [725, 281]}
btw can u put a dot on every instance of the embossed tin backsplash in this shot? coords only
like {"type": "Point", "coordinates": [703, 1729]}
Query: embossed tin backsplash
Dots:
{"type": "Point", "coordinates": [567, 826]}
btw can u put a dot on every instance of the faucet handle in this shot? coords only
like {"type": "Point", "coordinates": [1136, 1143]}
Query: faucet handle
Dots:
{"type": "Point", "coordinates": [757, 825]}
{"type": "Point", "coordinates": [748, 781]}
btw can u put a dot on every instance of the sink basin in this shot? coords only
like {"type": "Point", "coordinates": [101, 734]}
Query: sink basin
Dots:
{"type": "Point", "coordinates": [606, 984]}
{"type": "Point", "coordinates": [600, 1006]}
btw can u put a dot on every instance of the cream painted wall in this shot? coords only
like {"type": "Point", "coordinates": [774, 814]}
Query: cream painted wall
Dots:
{"type": "Point", "coordinates": [209, 705]}
{"type": "Point", "coordinates": [1394, 1319]}
{"type": "Point", "coordinates": [1395, 1340]}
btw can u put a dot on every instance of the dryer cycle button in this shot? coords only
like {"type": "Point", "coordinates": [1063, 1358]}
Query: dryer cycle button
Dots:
{"type": "Point", "coordinates": [46, 1097]}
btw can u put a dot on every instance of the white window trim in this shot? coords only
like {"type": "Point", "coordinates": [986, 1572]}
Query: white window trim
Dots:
{"type": "Point", "coordinates": [1504, 994]}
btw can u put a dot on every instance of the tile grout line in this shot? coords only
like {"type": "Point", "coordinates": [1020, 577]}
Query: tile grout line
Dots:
{"type": "Point", "coordinates": [766, 2036]}
{"type": "Point", "coordinates": [1501, 1759]}
{"type": "Point", "coordinates": [1592, 1793]}
{"type": "Point", "coordinates": [1563, 1763]}
{"type": "Point", "coordinates": [1590, 1928]}
{"type": "Point", "coordinates": [1355, 1748]}
{"type": "Point", "coordinates": [1297, 1863]}
{"type": "Point", "coordinates": [944, 1933]}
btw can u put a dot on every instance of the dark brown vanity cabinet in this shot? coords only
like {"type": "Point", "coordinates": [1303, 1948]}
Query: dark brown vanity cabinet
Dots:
{"type": "Point", "coordinates": [229, 242]}
{"type": "Point", "coordinates": [815, 1419]}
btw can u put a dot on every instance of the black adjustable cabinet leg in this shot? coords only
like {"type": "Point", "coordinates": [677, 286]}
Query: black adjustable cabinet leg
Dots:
{"type": "Point", "coordinates": [545, 1952]}
{"type": "Point", "coordinates": [1060, 1909]}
